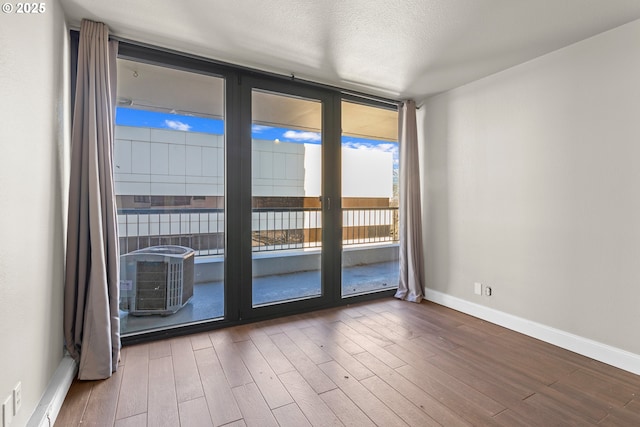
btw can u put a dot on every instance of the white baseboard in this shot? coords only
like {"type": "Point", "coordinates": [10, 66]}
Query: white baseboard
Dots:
{"type": "Point", "coordinates": [604, 353]}
{"type": "Point", "coordinates": [49, 406]}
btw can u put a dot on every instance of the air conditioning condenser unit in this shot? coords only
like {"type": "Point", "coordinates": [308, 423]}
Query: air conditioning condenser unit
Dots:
{"type": "Point", "coordinates": [156, 280]}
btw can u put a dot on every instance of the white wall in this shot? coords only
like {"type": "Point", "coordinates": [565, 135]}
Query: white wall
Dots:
{"type": "Point", "coordinates": [278, 168]}
{"type": "Point", "coordinates": [367, 173]}
{"type": "Point", "coordinates": [162, 162]}
{"type": "Point", "coordinates": [533, 187]}
{"type": "Point", "coordinates": [33, 181]}
{"type": "Point", "coordinates": [167, 162]}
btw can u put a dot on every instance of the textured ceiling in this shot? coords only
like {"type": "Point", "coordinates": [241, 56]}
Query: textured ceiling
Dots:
{"type": "Point", "coordinates": [394, 48]}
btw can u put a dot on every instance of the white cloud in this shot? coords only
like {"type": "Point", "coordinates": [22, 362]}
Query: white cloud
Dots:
{"type": "Point", "coordinates": [388, 147]}
{"type": "Point", "coordinates": [370, 146]}
{"type": "Point", "coordinates": [358, 145]}
{"type": "Point", "coordinates": [176, 125]}
{"type": "Point", "coordinates": [260, 128]}
{"type": "Point", "coordinates": [302, 136]}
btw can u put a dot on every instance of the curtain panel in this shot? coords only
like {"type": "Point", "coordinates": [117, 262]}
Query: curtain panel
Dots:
{"type": "Point", "coordinates": [411, 283]}
{"type": "Point", "coordinates": [91, 293]}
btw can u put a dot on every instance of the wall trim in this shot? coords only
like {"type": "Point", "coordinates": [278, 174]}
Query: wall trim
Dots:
{"type": "Point", "coordinates": [596, 350]}
{"type": "Point", "coordinates": [49, 406]}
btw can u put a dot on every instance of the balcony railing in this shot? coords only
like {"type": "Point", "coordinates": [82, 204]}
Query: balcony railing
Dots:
{"type": "Point", "coordinates": [273, 229]}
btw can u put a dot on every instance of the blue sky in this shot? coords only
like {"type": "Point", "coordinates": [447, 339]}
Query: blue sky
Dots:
{"type": "Point", "coordinates": [153, 119]}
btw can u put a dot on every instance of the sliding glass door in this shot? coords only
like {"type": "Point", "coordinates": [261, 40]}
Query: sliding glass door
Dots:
{"type": "Point", "coordinates": [370, 166]}
{"type": "Point", "coordinates": [243, 196]}
{"type": "Point", "coordinates": [324, 198]}
{"type": "Point", "coordinates": [290, 192]}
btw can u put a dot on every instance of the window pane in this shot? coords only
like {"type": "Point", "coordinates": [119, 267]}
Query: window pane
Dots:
{"type": "Point", "coordinates": [169, 183]}
{"type": "Point", "coordinates": [286, 188]}
{"type": "Point", "coordinates": [369, 199]}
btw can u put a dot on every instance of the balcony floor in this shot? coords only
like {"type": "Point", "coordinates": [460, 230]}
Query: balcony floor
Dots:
{"type": "Point", "coordinates": [208, 302]}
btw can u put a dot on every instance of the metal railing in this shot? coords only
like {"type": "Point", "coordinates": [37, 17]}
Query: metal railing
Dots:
{"type": "Point", "coordinates": [277, 229]}
{"type": "Point", "coordinates": [273, 229]}
{"type": "Point", "coordinates": [369, 225]}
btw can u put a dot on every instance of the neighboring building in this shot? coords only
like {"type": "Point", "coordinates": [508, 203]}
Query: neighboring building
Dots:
{"type": "Point", "coordinates": [170, 189]}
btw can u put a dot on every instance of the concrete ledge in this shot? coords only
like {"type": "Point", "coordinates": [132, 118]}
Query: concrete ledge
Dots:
{"type": "Point", "coordinates": [211, 269]}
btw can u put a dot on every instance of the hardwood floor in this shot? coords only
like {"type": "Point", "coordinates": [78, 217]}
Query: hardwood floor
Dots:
{"type": "Point", "coordinates": [385, 363]}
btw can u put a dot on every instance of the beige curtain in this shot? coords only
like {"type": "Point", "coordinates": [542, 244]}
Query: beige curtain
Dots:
{"type": "Point", "coordinates": [91, 321]}
{"type": "Point", "coordinates": [411, 284]}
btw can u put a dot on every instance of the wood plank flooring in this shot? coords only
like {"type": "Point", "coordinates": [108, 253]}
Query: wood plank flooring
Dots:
{"type": "Point", "coordinates": [385, 363]}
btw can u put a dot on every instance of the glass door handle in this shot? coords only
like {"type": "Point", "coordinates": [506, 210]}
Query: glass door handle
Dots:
{"type": "Point", "coordinates": [327, 202]}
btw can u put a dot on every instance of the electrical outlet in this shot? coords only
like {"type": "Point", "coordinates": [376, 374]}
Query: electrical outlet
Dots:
{"type": "Point", "coordinates": [487, 291]}
{"type": "Point", "coordinates": [477, 288]}
{"type": "Point", "coordinates": [17, 398]}
{"type": "Point", "coordinates": [7, 411]}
